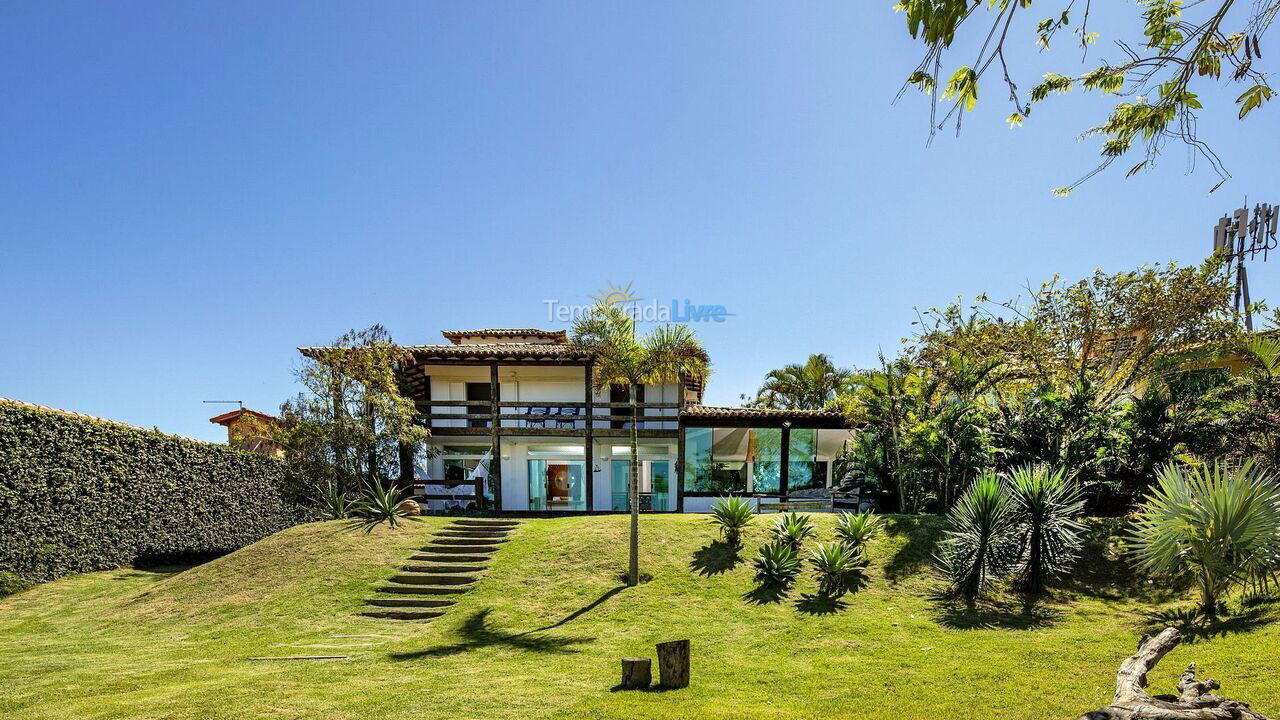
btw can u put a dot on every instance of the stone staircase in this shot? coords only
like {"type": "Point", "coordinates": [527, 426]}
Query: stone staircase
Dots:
{"type": "Point", "coordinates": [450, 565]}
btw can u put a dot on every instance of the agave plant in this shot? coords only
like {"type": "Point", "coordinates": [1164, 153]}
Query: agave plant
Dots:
{"type": "Point", "coordinates": [381, 503]}
{"type": "Point", "coordinates": [1044, 505]}
{"type": "Point", "coordinates": [333, 502]}
{"type": "Point", "coordinates": [732, 514]}
{"type": "Point", "coordinates": [835, 564]}
{"type": "Point", "coordinates": [1220, 526]}
{"type": "Point", "coordinates": [979, 544]}
{"type": "Point", "coordinates": [777, 565]}
{"type": "Point", "coordinates": [855, 529]}
{"type": "Point", "coordinates": [793, 529]}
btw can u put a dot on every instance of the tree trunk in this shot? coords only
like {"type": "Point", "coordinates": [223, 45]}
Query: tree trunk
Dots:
{"type": "Point", "coordinates": [637, 673]}
{"type": "Point", "coordinates": [673, 663]}
{"type": "Point", "coordinates": [633, 492]}
{"type": "Point", "coordinates": [1195, 700]}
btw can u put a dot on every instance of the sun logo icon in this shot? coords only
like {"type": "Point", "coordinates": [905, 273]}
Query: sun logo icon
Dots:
{"type": "Point", "coordinates": [616, 294]}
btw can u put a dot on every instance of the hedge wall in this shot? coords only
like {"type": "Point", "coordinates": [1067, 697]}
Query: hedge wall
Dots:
{"type": "Point", "coordinates": [80, 494]}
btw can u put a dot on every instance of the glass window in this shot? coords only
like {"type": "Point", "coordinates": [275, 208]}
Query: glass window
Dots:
{"type": "Point", "coordinates": [766, 456]}
{"type": "Point", "coordinates": [729, 476]}
{"type": "Point", "coordinates": [802, 471]}
{"type": "Point", "coordinates": [557, 485]}
{"type": "Point", "coordinates": [697, 460]}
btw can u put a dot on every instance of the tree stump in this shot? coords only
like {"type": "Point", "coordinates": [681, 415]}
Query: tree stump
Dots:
{"type": "Point", "coordinates": [673, 663]}
{"type": "Point", "coordinates": [637, 673]}
{"type": "Point", "coordinates": [1194, 701]}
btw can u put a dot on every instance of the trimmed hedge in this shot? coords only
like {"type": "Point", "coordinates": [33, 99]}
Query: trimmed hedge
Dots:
{"type": "Point", "coordinates": [79, 494]}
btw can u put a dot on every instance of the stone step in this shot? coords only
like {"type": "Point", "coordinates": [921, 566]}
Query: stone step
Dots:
{"type": "Point", "coordinates": [403, 614]}
{"type": "Point", "coordinates": [451, 558]}
{"type": "Point", "coordinates": [458, 550]}
{"type": "Point", "coordinates": [442, 568]}
{"type": "Point", "coordinates": [423, 589]}
{"type": "Point", "coordinates": [450, 532]}
{"type": "Point", "coordinates": [487, 523]}
{"type": "Point", "coordinates": [432, 579]}
{"type": "Point", "coordinates": [439, 540]}
{"type": "Point", "coordinates": [409, 602]}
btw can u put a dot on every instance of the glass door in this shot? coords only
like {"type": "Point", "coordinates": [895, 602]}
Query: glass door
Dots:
{"type": "Point", "coordinates": [557, 485]}
{"type": "Point", "coordinates": [660, 481]}
{"type": "Point", "coordinates": [619, 471]}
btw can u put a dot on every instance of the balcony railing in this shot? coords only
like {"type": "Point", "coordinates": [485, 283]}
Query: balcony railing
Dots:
{"type": "Point", "coordinates": [544, 415]}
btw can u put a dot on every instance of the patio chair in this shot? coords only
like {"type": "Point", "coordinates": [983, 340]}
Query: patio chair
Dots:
{"type": "Point", "coordinates": [537, 416]}
{"type": "Point", "coordinates": [571, 421]}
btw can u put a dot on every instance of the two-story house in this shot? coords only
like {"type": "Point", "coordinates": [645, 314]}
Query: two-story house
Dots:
{"type": "Point", "coordinates": [519, 404]}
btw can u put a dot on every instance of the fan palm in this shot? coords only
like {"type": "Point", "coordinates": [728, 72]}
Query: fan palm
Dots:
{"type": "Point", "coordinates": [1044, 505]}
{"type": "Point", "coordinates": [811, 386]}
{"type": "Point", "coordinates": [1221, 526]}
{"type": "Point", "coordinates": [664, 356]}
{"type": "Point", "coordinates": [978, 547]}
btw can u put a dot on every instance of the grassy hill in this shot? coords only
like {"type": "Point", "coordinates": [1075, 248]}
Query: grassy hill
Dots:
{"type": "Point", "coordinates": [542, 634]}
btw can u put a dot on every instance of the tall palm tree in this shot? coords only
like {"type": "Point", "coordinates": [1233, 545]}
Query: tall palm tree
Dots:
{"type": "Point", "coordinates": [811, 386]}
{"type": "Point", "coordinates": [661, 357]}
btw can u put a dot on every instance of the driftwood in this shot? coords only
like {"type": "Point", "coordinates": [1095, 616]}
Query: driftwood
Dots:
{"type": "Point", "coordinates": [1195, 699]}
{"type": "Point", "coordinates": [673, 663]}
{"type": "Point", "coordinates": [637, 673]}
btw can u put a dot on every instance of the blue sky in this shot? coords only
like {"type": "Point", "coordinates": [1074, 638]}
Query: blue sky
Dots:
{"type": "Point", "coordinates": [189, 191]}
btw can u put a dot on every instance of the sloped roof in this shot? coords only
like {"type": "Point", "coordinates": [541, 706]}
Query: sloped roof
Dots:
{"type": "Point", "coordinates": [740, 415]}
{"type": "Point", "coordinates": [558, 336]}
{"type": "Point", "coordinates": [228, 417]}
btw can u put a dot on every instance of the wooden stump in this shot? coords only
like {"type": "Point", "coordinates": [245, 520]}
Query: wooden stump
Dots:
{"type": "Point", "coordinates": [673, 663]}
{"type": "Point", "coordinates": [637, 673]}
{"type": "Point", "coordinates": [1195, 699]}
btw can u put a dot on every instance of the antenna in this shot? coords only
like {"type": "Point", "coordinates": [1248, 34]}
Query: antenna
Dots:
{"type": "Point", "coordinates": [1238, 235]}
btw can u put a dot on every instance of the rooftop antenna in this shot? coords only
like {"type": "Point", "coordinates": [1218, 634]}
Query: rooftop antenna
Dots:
{"type": "Point", "coordinates": [224, 402]}
{"type": "Point", "coordinates": [1239, 235]}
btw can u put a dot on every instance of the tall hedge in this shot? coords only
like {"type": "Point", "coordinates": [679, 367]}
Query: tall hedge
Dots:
{"type": "Point", "coordinates": [79, 494]}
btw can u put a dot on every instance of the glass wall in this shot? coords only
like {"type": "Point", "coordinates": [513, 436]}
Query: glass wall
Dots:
{"type": "Point", "coordinates": [766, 459]}
{"type": "Point", "coordinates": [557, 485]}
{"type": "Point", "coordinates": [697, 460]}
{"type": "Point", "coordinates": [720, 461]}
{"type": "Point", "coordinates": [802, 473]}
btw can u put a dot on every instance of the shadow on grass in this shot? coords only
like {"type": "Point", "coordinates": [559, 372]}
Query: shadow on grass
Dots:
{"type": "Point", "coordinates": [651, 689]}
{"type": "Point", "coordinates": [821, 604]}
{"type": "Point", "coordinates": [989, 614]}
{"type": "Point", "coordinates": [766, 594]}
{"type": "Point", "coordinates": [1105, 573]}
{"type": "Point", "coordinates": [716, 558]}
{"type": "Point", "coordinates": [923, 535]}
{"type": "Point", "coordinates": [1197, 626]}
{"type": "Point", "coordinates": [477, 632]}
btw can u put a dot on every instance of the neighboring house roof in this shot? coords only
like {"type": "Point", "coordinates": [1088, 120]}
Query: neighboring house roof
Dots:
{"type": "Point", "coordinates": [741, 415]}
{"type": "Point", "coordinates": [230, 417]}
{"type": "Point", "coordinates": [557, 336]}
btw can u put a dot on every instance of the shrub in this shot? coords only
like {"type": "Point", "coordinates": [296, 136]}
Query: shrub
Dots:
{"type": "Point", "coordinates": [855, 529]}
{"type": "Point", "coordinates": [381, 503]}
{"type": "Point", "coordinates": [333, 502]}
{"type": "Point", "coordinates": [1044, 503]}
{"type": "Point", "coordinates": [979, 546]}
{"type": "Point", "coordinates": [793, 529]}
{"type": "Point", "coordinates": [777, 565]}
{"type": "Point", "coordinates": [1222, 527]}
{"type": "Point", "coordinates": [79, 494]}
{"type": "Point", "coordinates": [11, 583]}
{"type": "Point", "coordinates": [835, 564]}
{"type": "Point", "coordinates": [732, 514]}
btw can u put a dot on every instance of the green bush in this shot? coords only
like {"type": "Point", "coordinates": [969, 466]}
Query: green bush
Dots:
{"type": "Point", "coordinates": [835, 564]}
{"type": "Point", "coordinates": [381, 503]}
{"type": "Point", "coordinates": [11, 583]}
{"type": "Point", "coordinates": [1045, 505]}
{"type": "Point", "coordinates": [777, 565]}
{"type": "Point", "coordinates": [980, 546]}
{"type": "Point", "coordinates": [732, 514]}
{"type": "Point", "coordinates": [793, 529]}
{"type": "Point", "coordinates": [78, 494]}
{"type": "Point", "coordinates": [855, 529]}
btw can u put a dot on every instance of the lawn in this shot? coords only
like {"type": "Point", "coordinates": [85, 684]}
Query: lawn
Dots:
{"type": "Point", "coordinates": [542, 634]}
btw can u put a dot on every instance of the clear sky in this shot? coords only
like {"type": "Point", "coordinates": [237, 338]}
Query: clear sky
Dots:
{"type": "Point", "coordinates": [189, 191]}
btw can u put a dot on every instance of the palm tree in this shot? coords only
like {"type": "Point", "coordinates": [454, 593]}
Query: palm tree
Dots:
{"type": "Point", "coordinates": [663, 356]}
{"type": "Point", "coordinates": [811, 386]}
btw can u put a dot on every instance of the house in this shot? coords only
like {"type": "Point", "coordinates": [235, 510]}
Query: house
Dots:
{"type": "Point", "coordinates": [250, 430]}
{"type": "Point", "coordinates": [513, 416]}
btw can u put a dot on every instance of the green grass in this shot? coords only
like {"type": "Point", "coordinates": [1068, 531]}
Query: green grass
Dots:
{"type": "Point", "coordinates": [542, 635]}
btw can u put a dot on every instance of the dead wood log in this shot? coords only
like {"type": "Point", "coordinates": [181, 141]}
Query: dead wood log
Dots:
{"type": "Point", "coordinates": [1195, 699]}
{"type": "Point", "coordinates": [637, 673]}
{"type": "Point", "coordinates": [673, 663]}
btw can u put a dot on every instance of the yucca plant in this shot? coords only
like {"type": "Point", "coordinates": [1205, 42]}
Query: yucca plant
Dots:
{"type": "Point", "coordinates": [381, 503]}
{"type": "Point", "coordinates": [777, 565]}
{"type": "Point", "coordinates": [333, 502]}
{"type": "Point", "coordinates": [732, 514]}
{"type": "Point", "coordinates": [1045, 504]}
{"type": "Point", "coordinates": [1220, 526]}
{"type": "Point", "coordinates": [855, 529]}
{"type": "Point", "coordinates": [979, 543]}
{"type": "Point", "coordinates": [793, 529]}
{"type": "Point", "coordinates": [834, 565]}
